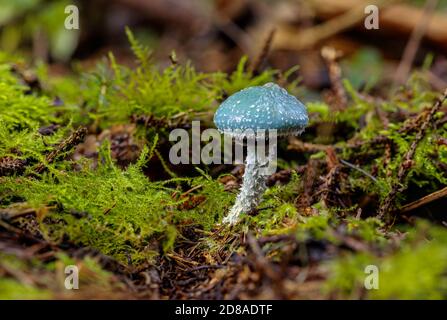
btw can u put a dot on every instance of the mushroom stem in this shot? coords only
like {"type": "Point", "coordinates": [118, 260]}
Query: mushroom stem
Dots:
{"type": "Point", "coordinates": [253, 187]}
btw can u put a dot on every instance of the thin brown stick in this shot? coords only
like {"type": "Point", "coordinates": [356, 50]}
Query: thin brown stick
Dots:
{"type": "Point", "coordinates": [331, 58]}
{"type": "Point", "coordinates": [424, 200]}
{"type": "Point", "coordinates": [13, 213]}
{"type": "Point", "coordinates": [298, 145]}
{"type": "Point", "coordinates": [265, 265]}
{"type": "Point", "coordinates": [73, 140]}
{"type": "Point", "coordinates": [414, 42]}
{"type": "Point", "coordinates": [262, 57]}
{"type": "Point", "coordinates": [331, 180]}
{"type": "Point", "coordinates": [352, 166]}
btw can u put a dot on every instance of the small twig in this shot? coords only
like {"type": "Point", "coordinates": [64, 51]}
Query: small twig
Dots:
{"type": "Point", "coordinates": [262, 57]}
{"type": "Point", "coordinates": [204, 267]}
{"type": "Point", "coordinates": [331, 178]}
{"type": "Point", "coordinates": [192, 189]}
{"type": "Point", "coordinates": [16, 212]}
{"type": "Point", "coordinates": [298, 145]}
{"type": "Point", "coordinates": [383, 117]}
{"type": "Point", "coordinates": [181, 260]}
{"type": "Point", "coordinates": [359, 214]}
{"type": "Point", "coordinates": [309, 183]}
{"type": "Point", "coordinates": [10, 227]}
{"type": "Point", "coordinates": [107, 210]}
{"type": "Point", "coordinates": [262, 262]}
{"type": "Point", "coordinates": [73, 140]}
{"type": "Point", "coordinates": [331, 57]}
{"type": "Point", "coordinates": [424, 200]}
{"type": "Point", "coordinates": [358, 169]}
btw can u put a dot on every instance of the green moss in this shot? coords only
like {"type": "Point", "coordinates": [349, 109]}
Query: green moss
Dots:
{"type": "Point", "coordinates": [11, 289]}
{"type": "Point", "coordinates": [112, 93]}
{"type": "Point", "coordinates": [369, 229]}
{"type": "Point", "coordinates": [124, 215]}
{"type": "Point", "coordinates": [22, 113]}
{"type": "Point", "coordinates": [23, 286]}
{"type": "Point", "coordinates": [120, 213]}
{"type": "Point", "coordinates": [415, 271]}
{"type": "Point", "coordinates": [33, 279]}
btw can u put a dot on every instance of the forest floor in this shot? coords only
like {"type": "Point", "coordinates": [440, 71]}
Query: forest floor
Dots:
{"type": "Point", "coordinates": [85, 180]}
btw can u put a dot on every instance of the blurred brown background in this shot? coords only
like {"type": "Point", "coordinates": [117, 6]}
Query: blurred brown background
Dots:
{"type": "Point", "coordinates": [214, 34]}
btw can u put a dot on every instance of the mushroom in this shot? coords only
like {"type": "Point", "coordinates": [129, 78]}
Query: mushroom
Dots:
{"type": "Point", "coordinates": [252, 113]}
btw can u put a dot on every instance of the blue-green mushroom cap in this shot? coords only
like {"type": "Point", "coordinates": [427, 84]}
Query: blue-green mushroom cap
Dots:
{"type": "Point", "coordinates": [267, 107]}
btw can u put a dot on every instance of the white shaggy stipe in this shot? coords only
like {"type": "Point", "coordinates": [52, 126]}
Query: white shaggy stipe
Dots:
{"type": "Point", "coordinates": [253, 187]}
